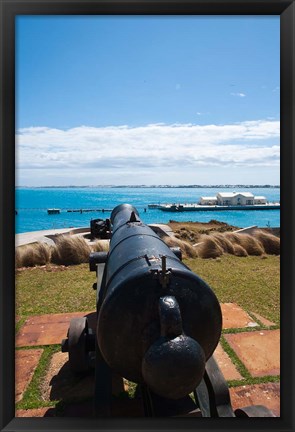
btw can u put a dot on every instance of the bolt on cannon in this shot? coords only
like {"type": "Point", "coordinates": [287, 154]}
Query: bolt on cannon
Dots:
{"type": "Point", "coordinates": [158, 324]}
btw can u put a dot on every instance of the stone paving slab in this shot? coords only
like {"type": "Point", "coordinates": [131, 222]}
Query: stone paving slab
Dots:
{"type": "Point", "coordinates": [226, 365]}
{"type": "Point", "coordinates": [48, 329]}
{"type": "Point", "coordinates": [234, 316]}
{"type": "Point", "coordinates": [267, 394]}
{"type": "Point", "coordinates": [259, 351]}
{"type": "Point", "coordinates": [52, 328]}
{"type": "Point", "coordinates": [263, 320]}
{"type": "Point", "coordinates": [61, 383]}
{"type": "Point", "coordinates": [26, 362]}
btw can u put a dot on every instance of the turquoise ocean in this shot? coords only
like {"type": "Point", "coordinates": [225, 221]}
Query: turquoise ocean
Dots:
{"type": "Point", "coordinates": [32, 205]}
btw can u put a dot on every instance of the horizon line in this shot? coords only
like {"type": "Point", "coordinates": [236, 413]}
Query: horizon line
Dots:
{"type": "Point", "coordinates": [265, 185]}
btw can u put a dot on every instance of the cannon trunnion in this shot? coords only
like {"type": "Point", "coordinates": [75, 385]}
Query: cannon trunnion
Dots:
{"type": "Point", "coordinates": [158, 325]}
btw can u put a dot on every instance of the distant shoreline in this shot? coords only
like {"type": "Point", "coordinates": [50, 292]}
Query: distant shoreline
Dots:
{"type": "Point", "coordinates": [265, 186]}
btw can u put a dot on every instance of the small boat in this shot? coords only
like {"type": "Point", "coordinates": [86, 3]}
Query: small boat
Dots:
{"type": "Point", "coordinates": [53, 211]}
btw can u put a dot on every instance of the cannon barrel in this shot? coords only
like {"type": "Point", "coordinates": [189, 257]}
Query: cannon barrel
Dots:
{"type": "Point", "coordinates": [158, 322]}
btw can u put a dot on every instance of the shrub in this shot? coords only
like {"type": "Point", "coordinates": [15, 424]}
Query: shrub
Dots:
{"type": "Point", "coordinates": [224, 243]}
{"type": "Point", "coordinates": [70, 250]}
{"type": "Point", "coordinates": [100, 246]}
{"type": "Point", "coordinates": [233, 237]}
{"type": "Point", "coordinates": [18, 257]}
{"type": "Point", "coordinates": [270, 242]}
{"type": "Point", "coordinates": [239, 251]}
{"type": "Point", "coordinates": [209, 248]}
{"type": "Point", "coordinates": [187, 250]}
{"type": "Point", "coordinates": [32, 255]}
{"type": "Point", "coordinates": [251, 244]}
{"type": "Point", "coordinates": [248, 242]}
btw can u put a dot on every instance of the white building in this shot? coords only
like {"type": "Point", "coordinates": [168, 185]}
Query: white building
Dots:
{"type": "Point", "coordinates": [233, 199]}
{"type": "Point", "coordinates": [208, 200]}
{"type": "Point", "coordinates": [260, 200]}
{"type": "Point", "coordinates": [239, 198]}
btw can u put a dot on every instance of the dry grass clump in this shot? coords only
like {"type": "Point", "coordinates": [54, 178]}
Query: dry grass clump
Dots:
{"type": "Point", "coordinates": [224, 243]}
{"type": "Point", "coordinates": [233, 237]}
{"type": "Point", "coordinates": [70, 251]}
{"type": "Point", "coordinates": [187, 250]}
{"type": "Point", "coordinates": [251, 244]}
{"type": "Point", "coordinates": [239, 251]}
{"type": "Point", "coordinates": [270, 242]}
{"type": "Point", "coordinates": [35, 254]}
{"type": "Point", "coordinates": [18, 258]}
{"type": "Point", "coordinates": [209, 247]}
{"type": "Point", "coordinates": [238, 244]}
{"type": "Point", "coordinates": [101, 246]}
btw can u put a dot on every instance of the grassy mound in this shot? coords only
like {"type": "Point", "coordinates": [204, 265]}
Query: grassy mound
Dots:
{"type": "Point", "coordinates": [187, 235]}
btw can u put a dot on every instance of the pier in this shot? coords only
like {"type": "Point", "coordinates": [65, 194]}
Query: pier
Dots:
{"type": "Point", "coordinates": [87, 210]}
{"type": "Point", "coordinates": [58, 211]}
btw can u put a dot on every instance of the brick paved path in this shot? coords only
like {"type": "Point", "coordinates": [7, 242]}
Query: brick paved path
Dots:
{"type": "Point", "coordinates": [251, 354]}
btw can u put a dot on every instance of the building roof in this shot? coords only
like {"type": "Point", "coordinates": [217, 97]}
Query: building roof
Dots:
{"type": "Point", "coordinates": [208, 198]}
{"type": "Point", "coordinates": [233, 194]}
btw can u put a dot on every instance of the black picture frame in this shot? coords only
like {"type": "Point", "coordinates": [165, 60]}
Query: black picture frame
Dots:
{"type": "Point", "coordinates": [9, 10]}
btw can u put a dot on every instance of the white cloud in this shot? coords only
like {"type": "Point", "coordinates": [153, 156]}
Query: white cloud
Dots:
{"type": "Point", "coordinates": [146, 149]}
{"type": "Point", "coordinates": [239, 94]}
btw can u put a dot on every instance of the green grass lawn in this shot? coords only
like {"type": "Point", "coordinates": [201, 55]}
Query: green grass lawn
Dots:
{"type": "Point", "coordinates": [42, 292]}
{"type": "Point", "coordinates": [252, 282]}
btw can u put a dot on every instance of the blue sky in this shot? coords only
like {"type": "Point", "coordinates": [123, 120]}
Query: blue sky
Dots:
{"type": "Point", "coordinates": [147, 100]}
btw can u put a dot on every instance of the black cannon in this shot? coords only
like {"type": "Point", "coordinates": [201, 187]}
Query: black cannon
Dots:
{"type": "Point", "coordinates": [158, 325]}
{"type": "Point", "coordinates": [100, 228]}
